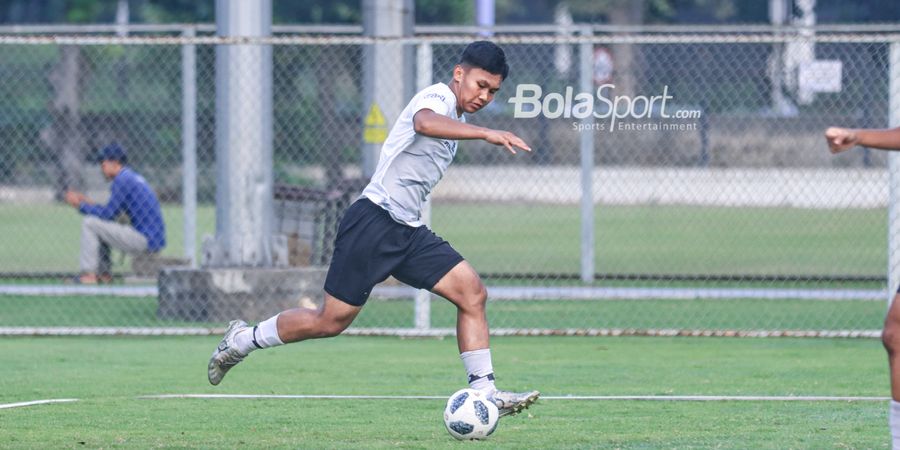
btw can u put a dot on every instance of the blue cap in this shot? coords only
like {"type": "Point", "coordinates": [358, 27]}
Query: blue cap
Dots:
{"type": "Point", "coordinates": [113, 152]}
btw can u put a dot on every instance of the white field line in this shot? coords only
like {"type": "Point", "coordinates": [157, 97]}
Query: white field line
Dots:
{"type": "Point", "coordinates": [37, 402]}
{"type": "Point", "coordinates": [681, 398]}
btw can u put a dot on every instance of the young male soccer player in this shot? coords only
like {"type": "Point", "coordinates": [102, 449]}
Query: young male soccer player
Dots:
{"type": "Point", "coordinates": [839, 140]}
{"type": "Point", "coordinates": [382, 234]}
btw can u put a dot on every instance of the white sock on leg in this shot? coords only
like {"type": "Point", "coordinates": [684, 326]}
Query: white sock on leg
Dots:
{"type": "Point", "coordinates": [479, 369]}
{"type": "Point", "coordinates": [895, 423]}
{"type": "Point", "coordinates": [263, 335]}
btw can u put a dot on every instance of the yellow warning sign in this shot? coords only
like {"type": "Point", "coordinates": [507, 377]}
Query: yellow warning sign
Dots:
{"type": "Point", "coordinates": [374, 126]}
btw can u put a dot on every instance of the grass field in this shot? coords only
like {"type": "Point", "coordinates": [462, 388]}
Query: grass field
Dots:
{"type": "Point", "coordinates": [109, 374]}
{"type": "Point", "coordinates": [545, 238]}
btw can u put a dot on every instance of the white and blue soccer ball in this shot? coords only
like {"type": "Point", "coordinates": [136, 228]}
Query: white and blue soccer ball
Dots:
{"type": "Point", "coordinates": [470, 415]}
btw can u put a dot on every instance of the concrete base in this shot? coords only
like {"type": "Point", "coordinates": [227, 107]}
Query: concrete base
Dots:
{"type": "Point", "coordinates": [251, 294]}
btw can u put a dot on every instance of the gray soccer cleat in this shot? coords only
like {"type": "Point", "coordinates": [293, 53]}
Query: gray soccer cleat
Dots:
{"type": "Point", "coordinates": [512, 403]}
{"type": "Point", "coordinates": [226, 354]}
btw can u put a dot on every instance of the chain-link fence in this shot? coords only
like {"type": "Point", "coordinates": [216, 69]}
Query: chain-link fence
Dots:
{"type": "Point", "coordinates": [678, 180]}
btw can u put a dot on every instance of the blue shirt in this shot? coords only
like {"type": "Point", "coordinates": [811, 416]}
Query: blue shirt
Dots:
{"type": "Point", "coordinates": [131, 194]}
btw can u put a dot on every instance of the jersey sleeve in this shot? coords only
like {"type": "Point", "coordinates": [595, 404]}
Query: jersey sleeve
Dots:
{"type": "Point", "coordinates": [434, 100]}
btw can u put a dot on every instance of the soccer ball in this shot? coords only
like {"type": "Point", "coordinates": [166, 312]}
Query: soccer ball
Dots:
{"type": "Point", "coordinates": [470, 415]}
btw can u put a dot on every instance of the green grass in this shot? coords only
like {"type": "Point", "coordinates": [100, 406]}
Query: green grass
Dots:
{"type": "Point", "coordinates": [669, 239]}
{"type": "Point", "coordinates": [553, 314]}
{"type": "Point", "coordinates": [46, 238]}
{"type": "Point", "coordinates": [545, 238]}
{"type": "Point", "coordinates": [108, 374]}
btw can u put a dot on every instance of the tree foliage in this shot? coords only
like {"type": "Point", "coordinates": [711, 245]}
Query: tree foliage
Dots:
{"type": "Point", "coordinates": [444, 11]}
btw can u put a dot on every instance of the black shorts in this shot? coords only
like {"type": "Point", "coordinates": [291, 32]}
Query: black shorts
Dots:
{"type": "Point", "coordinates": [370, 245]}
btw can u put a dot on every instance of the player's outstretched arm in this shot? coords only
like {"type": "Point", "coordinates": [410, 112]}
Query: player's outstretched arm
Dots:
{"type": "Point", "coordinates": [429, 123]}
{"type": "Point", "coordinates": [842, 139]}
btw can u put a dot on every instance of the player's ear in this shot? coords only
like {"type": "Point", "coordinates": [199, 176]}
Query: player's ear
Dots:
{"type": "Point", "coordinates": [458, 73]}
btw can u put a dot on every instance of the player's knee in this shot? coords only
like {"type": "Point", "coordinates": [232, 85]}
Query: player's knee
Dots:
{"type": "Point", "coordinates": [332, 328]}
{"type": "Point", "coordinates": [481, 296]}
{"type": "Point", "coordinates": [90, 221]}
{"type": "Point", "coordinates": [890, 336]}
{"type": "Point", "coordinates": [476, 299]}
{"type": "Point", "coordinates": [889, 339]}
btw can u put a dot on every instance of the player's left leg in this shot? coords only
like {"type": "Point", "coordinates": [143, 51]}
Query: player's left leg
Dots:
{"type": "Point", "coordinates": [293, 325]}
{"type": "Point", "coordinates": [362, 257]}
{"type": "Point", "coordinates": [463, 287]}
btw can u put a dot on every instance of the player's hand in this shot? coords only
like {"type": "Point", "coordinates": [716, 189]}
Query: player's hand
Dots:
{"type": "Point", "coordinates": [506, 139]}
{"type": "Point", "coordinates": [840, 139]}
{"type": "Point", "coordinates": [74, 198]}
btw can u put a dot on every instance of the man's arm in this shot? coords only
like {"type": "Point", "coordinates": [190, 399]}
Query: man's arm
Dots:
{"type": "Point", "coordinates": [75, 198]}
{"type": "Point", "coordinates": [842, 139]}
{"type": "Point", "coordinates": [429, 123]}
{"type": "Point", "coordinates": [110, 209]}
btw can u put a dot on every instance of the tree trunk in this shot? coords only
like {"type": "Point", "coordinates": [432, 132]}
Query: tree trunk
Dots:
{"type": "Point", "coordinates": [625, 68]}
{"type": "Point", "coordinates": [63, 137]}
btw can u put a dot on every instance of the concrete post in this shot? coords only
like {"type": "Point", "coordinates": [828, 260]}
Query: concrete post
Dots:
{"type": "Point", "coordinates": [388, 73]}
{"type": "Point", "coordinates": [244, 176]}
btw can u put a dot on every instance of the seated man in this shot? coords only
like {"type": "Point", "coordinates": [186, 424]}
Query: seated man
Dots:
{"type": "Point", "coordinates": [130, 194]}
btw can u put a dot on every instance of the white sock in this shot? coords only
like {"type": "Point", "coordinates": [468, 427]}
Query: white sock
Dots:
{"type": "Point", "coordinates": [479, 369]}
{"type": "Point", "coordinates": [263, 335]}
{"type": "Point", "coordinates": [895, 424]}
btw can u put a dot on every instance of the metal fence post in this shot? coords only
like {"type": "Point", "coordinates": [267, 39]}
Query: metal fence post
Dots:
{"type": "Point", "coordinates": [424, 79]}
{"type": "Point", "coordinates": [189, 145]}
{"type": "Point", "coordinates": [586, 84]}
{"type": "Point", "coordinates": [893, 237]}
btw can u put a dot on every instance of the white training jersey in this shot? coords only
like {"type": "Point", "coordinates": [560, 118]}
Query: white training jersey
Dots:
{"type": "Point", "coordinates": [411, 164]}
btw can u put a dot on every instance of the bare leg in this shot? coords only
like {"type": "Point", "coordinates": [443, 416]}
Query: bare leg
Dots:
{"type": "Point", "coordinates": [463, 288]}
{"type": "Point", "coordinates": [290, 326]}
{"type": "Point", "coordinates": [332, 318]}
{"type": "Point", "coordinates": [890, 336]}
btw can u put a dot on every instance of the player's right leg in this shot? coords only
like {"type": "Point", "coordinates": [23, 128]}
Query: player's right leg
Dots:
{"type": "Point", "coordinates": [292, 325]}
{"type": "Point", "coordinates": [463, 287]}
{"type": "Point", "coordinates": [890, 336]}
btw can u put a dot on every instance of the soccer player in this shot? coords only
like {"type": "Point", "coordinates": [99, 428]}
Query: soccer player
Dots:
{"type": "Point", "coordinates": [839, 140]}
{"type": "Point", "coordinates": [382, 234]}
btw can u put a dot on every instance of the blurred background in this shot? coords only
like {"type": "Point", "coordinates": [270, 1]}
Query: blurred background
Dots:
{"type": "Point", "coordinates": [733, 216]}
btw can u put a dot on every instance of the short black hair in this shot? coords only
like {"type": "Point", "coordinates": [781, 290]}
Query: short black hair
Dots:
{"type": "Point", "coordinates": [486, 55]}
